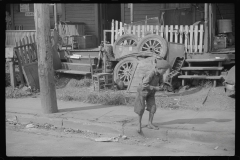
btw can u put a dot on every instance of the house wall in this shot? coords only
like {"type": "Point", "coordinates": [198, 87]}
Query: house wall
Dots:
{"type": "Point", "coordinates": [141, 10]}
{"type": "Point", "coordinates": [227, 11]}
{"type": "Point", "coordinates": [27, 22]}
{"type": "Point", "coordinates": [82, 12]}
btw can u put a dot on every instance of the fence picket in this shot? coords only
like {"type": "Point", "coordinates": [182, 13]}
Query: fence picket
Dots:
{"type": "Point", "coordinates": [162, 31]}
{"type": "Point", "coordinates": [121, 29]}
{"type": "Point", "coordinates": [171, 33]}
{"type": "Point", "coordinates": [151, 28]}
{"type": "Point", "coordinates": [112, 32]}
{"type": "Point", "coordinates": [201, 39]}
{"type": "Point", "coordinates": [129, 29]}
{"type": "Point", "coordinates": [143, 30]}
{"type": "Point", "coordinates": [191, 38]}
{"type": "Point", "coordinates": [157, 29]}
{"type": "Point", "coordinates": [133, 32]}
{"type": "Point", "coordinates": [196, 38]}
{"type": "Point", "coordinates": [138, 31]}
{"type": "Point", "coordinates": [181, 34]}
{"type": "Point", "coordinates": [166, 32]}
{"type": "Point", "coordinates": [186, 37]}
{"type": "Point", "coordinates": [176, 33]}
{"type": "Point", "coordinates": [116, 30]}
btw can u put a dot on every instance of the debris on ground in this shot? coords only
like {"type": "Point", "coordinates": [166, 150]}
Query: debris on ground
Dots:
{"type": "Point", "coordinates": [30, 126]}
{"type": "Point", "coordinates": [216, 148]}
{"type": "Point", "coordinates": [106, 139]}
{"type": "Point", "coordinates": [225, 149]}
{"type": "Point", "coordinates": [124, 137]}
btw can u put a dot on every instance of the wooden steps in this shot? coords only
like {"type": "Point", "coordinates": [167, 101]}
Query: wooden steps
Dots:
{"type": "Point", "coordinates": [76, 66]}
{"type": "Point", "coordinates": [202, 68]}
{"type": "Point", "coordinates": [206, 60]}
{"type": "Point", "coordinates": [73, 72]}
{"type": "Point", "coordinates": [199, 77]}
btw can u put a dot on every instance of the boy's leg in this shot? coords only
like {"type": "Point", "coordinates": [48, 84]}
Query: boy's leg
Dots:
{"type": "Point", "coordinates": [139, 124]}
{"type": "Point", "coordinates": [139, 109]}
{"type": "Point", "coordinates": [152, 109]}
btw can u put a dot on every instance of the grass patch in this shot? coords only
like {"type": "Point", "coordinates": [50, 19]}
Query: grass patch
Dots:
{"type": "Point", "coordinates": [11, 92]}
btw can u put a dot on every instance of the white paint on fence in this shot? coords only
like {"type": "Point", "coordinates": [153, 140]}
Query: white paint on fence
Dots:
{"type": "Point", "coordinates": [191, 36]}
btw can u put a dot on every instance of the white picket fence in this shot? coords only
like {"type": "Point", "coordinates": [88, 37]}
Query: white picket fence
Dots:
{"type": "Point", "coordinates": [191, 36]}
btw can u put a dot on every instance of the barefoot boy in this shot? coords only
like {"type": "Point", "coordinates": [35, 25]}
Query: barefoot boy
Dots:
{"type": "Point", "coordinates": [146, 93]}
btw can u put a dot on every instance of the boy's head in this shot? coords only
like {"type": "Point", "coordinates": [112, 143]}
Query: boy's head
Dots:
{"type": "Point", "coordinates": [162, 66]}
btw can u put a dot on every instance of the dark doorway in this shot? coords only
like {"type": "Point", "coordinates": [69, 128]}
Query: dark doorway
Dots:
{"type": "Point", "coordinates": [108, 12]}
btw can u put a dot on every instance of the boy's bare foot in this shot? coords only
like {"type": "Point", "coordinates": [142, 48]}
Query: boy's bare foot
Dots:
{"type": "Point", "coordinates": [151, 126]}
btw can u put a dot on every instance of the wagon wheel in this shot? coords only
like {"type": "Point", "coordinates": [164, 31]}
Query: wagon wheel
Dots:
{"type": "Point", "coordinates": [153, 43]}
{"type": "Point", "coordinates": [125, 40]}
{"type": "Point", "coordinates": [124, 70]}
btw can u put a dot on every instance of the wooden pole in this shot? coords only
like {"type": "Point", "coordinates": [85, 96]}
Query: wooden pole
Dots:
{"type": "Point", "coordinates": [55, 16]}
{"type": "Point", "coordinates": [206, 28]}
{"type": "Point", "coordinates": [45, 58]}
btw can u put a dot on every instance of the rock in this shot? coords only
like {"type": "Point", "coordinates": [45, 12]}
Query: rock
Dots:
{"type": "Point", "coordinates": [225, 149]}
{"type": "Point", "coordinates": [124, 137]}
{"type": "Point", "coordinates": [216, 148]}
{"type": "Point", "coordinates": [149, 145]}
{"type": "Point", "coordinates": [30, 126]}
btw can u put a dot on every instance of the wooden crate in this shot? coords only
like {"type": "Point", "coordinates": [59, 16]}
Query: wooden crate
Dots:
{"type": "Point", "coordinates": [86, 41]}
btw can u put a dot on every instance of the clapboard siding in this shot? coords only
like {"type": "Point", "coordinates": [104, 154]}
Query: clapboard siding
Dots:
{"type": "Point", "coordinates": [141, 10]}
{"type": "Point", "coordinates": [20, 19]}
{"type": "Point", "coordinates": [82, 12]}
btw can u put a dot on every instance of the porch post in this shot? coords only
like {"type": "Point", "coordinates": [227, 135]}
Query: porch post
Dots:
{"type": "Point", "coordinates": [131, 12]}
{"type": "Point", "coordinates": [206, 32]}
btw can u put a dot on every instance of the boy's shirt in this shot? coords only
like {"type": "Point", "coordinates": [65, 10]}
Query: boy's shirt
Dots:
{"type": "Point", "coordinates": [151, 80]}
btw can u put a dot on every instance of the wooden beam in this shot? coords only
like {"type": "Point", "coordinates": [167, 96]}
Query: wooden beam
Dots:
{"type": "Point", "coordinates": [12, 16]}
{"type": "Point", "coordinates": [45, 58]}
{"type": "Point", "coordinates": [206, 32]}
{"type": "Point", "coordinates": [98, 33]}
{"type": "Point", "coordinates": [63, 12]}
{"type": "Point", "coordinates": [123, 13]}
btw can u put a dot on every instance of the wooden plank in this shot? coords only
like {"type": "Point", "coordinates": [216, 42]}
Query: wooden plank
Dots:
{"type": "Point", "coordinates": [129, 29]}
{"type": "Point", "coordinates": [199, 77]}
{"type": "Point", "coordinates": [201, 39]}
{"type": "Point", "coordinates": [72, 72]}
{"type": "Point", "coordinates": [12, 72]}
{"type": "Point", "coordinates": [176, 34]}
{"type": "Point", "coordinates": [31, 74]}
{"type": "Point", "coordinates": [196, 38]}
{"type": "Point", "coordinates": [201, 68]}
{"type": "Point", "coordinates": [171, 33]}
{"type": "Point", "coordinates": [132, 75]}
{"type": "Point", "coordinates": [206, 60]}
{"type": "Point", "coordinates": [191, 39]}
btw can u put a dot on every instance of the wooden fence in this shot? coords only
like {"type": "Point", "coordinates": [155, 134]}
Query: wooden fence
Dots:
{"type": "Point", "coordinates": [191, 36]}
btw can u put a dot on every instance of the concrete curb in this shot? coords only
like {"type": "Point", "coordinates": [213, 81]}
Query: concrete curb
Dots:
{"type": "Point", "coordinates": [108, 130]}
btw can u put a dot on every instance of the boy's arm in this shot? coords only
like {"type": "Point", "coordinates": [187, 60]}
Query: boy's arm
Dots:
{"type": "Point", "coordinates": [146, 80]}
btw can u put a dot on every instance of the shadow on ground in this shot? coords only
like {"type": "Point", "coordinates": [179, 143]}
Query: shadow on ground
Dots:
{"type": "Point", "coordinates": [85, 108]}
{"type": "Point", "coordinates": [193, 121]}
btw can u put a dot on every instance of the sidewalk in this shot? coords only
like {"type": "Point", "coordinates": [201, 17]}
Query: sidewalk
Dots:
{"type": "Point", "coordinates": [204, 126]}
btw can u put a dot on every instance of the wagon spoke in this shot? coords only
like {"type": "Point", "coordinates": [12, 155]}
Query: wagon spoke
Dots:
{"type": "Point", "coordinates": [150, 42]}
{"type": "Point", "coordinates": [154, 43]}
{"type": "Point", "coordinates": [147, 44]}
{"type": "Point", "coordinates": [144, 47]}
{"type": "Point", "coordinates": [157, 44]}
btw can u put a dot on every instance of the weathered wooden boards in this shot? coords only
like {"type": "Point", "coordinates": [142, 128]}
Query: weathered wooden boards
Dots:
{"type": "Point", "coordinates": [144, 66]}
{"type": "Point", "coordinates": [27, 60]}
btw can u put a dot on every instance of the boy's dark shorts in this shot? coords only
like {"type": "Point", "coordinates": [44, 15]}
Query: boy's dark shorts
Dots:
{"type": "Point", "coordinates": [140, 100]}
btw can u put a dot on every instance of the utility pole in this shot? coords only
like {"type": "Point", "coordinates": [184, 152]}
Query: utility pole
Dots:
{"type": "Point", "coordinates": [45, 58]}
